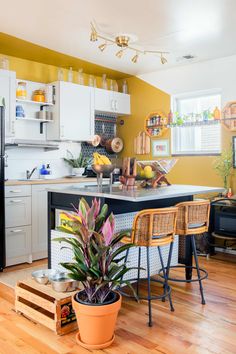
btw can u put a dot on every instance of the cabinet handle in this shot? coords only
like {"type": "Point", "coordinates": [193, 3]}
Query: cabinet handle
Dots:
{"type": "Point", "coordinates": [112, 105]}
{"type": "Point", "coordinates": [62, 131]}
{"type": "Point", "coordinates": [16, 231]}
{"type": "Point", "coordinates": [15, 191]}
{"type": "Point", "coordinates": [16, 201]}
{"type": "Point", "coordinates": [13, 127]}
{"type": "Point", "coordinates": [116, 104]}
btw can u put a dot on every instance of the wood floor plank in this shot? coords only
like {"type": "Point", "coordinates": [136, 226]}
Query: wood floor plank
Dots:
{"type": "Point", "coordinates": [191, 329]}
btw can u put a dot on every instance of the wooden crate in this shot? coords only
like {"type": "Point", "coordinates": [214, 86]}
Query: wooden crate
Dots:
{"type": "Point", "coordinates": [43, 305]}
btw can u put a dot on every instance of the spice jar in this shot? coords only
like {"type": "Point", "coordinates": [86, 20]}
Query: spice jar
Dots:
{"type": "Point", "coordinates": [39, 96]}
{"type": "Point", "coordinates": [21, 91]}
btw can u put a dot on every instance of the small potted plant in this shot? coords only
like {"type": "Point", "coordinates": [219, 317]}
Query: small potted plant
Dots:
{"type": "Point", "coordinates": [78, 164]}
{"type": "Point", "coordinates": [223, 166]}
{"type": "Point", "coordinates": [98, 264]}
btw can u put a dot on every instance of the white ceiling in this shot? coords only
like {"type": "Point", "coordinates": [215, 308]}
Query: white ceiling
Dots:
{"type": "Point", "coordinates": [204, 28]}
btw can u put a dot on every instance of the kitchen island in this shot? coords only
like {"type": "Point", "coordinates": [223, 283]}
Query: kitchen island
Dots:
{"type": "Point", "coordinates": [124, 205]}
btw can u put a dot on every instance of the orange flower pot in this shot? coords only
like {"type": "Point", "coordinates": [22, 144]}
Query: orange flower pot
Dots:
{"type": "Point", "coordinates": [96, 323]}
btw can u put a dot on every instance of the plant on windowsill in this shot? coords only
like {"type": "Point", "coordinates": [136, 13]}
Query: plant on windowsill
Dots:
{"type": "Point", "coordinates": [98, 264]}
{"type": "Point", "coordinates": [78, 164]}
{"type": "Point", "coordinates": [223, 166]}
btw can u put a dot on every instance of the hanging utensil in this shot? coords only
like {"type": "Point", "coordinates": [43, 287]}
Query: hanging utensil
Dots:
{"type": "Point", "coordinates": [103, 137]}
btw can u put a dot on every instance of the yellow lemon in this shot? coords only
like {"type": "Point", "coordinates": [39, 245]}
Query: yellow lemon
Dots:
{"type": "Point", "coordinates": [147, 169]}
{"type": "Point", "coordinates": [149, 174]}
{"type": "Point", "coordinates": [142, 173]}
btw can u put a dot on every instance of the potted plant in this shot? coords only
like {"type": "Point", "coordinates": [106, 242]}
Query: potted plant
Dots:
{"type": "Point", "coordinates": [78, 164]}
{"type": "Point", "coordinates": [223, 166]}
{"type": "Point", "coordinates": [98, 265]}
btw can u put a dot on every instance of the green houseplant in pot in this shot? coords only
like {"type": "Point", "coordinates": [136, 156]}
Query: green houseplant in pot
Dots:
{"type": "Point", "coordinates": [98, 265]}
{"type": "Point", "coordinates": [223, 166]}
{"type": "Point", "coordinates": [78, 164]}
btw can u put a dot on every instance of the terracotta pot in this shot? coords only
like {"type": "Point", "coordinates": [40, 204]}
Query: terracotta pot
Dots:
{"type": "Point", "coordinates": [96, 323]}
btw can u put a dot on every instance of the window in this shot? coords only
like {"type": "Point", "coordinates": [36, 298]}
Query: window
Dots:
{"type": "Point", "coordinates": [198, 133]}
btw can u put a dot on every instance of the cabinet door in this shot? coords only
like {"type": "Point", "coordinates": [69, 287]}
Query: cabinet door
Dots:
{"type": "Point", "coordinates": [40, 219]}
{"type": "Point", "coordinates": [18, 211]}
{"type": "Point", "coordinates": [103, 101]}
{"type": "Point", "coordinates": [76, 112]}
{"type": "Point", "coordinates": [121, 103]}
{"type": "Point", "coordinates": [8, 91]}
{"type": "Point", "coordinates": [18, 245]}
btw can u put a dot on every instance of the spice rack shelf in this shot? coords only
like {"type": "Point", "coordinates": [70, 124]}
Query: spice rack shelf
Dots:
{"type": "Point", "coordinates": [34, 102]}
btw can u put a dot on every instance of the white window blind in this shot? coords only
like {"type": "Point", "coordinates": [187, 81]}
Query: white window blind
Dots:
{"type": "Point", "coordinates": [202, 139]}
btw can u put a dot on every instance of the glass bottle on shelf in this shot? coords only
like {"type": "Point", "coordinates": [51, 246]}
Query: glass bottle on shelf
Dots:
{"type": "Point", "coordinates": [115, 86]}
{"type": "Point", "coordinates": [111, 85]}
{"type": "Point", "coordinates": [70, 75]}
{"type": "Point", "coordinates": [21, 92]}
{"type": "Point", "coordinates": [95, 82]}
{"type": "Point", "coordinates": [104, 82]}
{"type": "Point", "coordinates": [60, 74]}
{"type": "Point", "coordinates": [216, 113]}
{"type": "Point", "coordinates": [4, 63]}
{"type": "Point", "coordinates": [91, 81]}
{"type": "Point", "coordinates": [80, 77]}
{"type": "Point", "coordinates": [125, 87]}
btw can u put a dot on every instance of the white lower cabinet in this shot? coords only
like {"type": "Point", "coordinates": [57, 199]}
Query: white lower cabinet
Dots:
{"type": "Point", "coordinates": [18, 211]}
{"type": "Point", "coordinates": [18, 245]}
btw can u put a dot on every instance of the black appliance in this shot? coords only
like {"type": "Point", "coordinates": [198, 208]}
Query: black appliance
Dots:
{"type": "Point", "coordinates": [223, 217]}
{"type": "Point", "coordinates": [2, 193]}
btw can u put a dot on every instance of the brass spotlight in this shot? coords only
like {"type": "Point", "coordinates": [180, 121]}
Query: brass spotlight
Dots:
{"type": "Point", "coordinates": [122, 41]}
{"type": "Point", "coordinates": [163, 60]}
{"type": "Point", "coordinates": [93, 35]}
{"type": "Point", "coordinates": [135, 58]}
{"type": "Point", "coordinates": [120, 53]}
{"type": "Point", "coordinates": [102, 46]}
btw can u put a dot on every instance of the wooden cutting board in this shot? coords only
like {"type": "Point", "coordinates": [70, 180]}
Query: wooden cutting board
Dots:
{"type": "Point", "coordinates": [142, 144]}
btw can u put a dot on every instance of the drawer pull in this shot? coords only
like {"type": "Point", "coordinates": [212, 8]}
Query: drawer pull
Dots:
{"type": "Point", "coordinates": [15, 191]}
{"type": "Point", "coordinates": [16, 201]}
{"type": "Point", "coordinates": [16, 231]}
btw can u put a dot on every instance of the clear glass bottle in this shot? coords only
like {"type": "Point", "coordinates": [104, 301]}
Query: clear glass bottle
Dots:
{"type": "Point", "coordinates": [70, 75]}
{"type": "Point", "coordinates": [116, 86]}
{"type": "Point", "coordinates": [4, 63]}
{"type": "Point", "coordinates": [104, 82]}
{"type": "Point", "coordinates": [95, 82]}
{"type": "Point", "coordinates": [111, 85]}
{"type": "Point", "coordinates": [21, 91]}
{"type": "Point", "coordinates": [91, 81]}
{"type": "Point", "coordinates": [60, 74]}
{"type": "Point", "coordinates": [80, 77]}
{"type": "Point", "coordinates": [125, 87]}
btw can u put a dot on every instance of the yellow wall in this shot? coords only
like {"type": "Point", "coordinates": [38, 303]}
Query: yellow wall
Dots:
{"type": "Point", "coordinates": [145, 99]}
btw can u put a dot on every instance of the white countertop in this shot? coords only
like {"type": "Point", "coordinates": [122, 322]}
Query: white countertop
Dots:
{"type": "Point", "coordinates": [140, 194]}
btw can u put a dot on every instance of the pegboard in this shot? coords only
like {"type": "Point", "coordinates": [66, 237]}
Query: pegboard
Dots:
{"type": "Point", "coordinates": [61, 252]}
{"type": "Point", "coordinates": [109, 122]}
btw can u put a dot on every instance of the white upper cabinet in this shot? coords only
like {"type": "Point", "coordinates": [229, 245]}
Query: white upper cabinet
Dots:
{"type": "Point", "coordinates": [73, 113]}
{"type": "Point", "coordinates": [112, 102]}
{"type": "Point", "coordinates": [8, 91]}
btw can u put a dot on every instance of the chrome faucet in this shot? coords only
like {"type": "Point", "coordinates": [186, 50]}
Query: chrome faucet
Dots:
{"type": "Point", "coordinates": [29, 173]}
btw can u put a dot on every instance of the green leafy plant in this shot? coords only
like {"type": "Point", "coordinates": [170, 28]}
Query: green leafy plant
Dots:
{"type": "Point", "coordinates": [223, 166]}
{"type": "Point", "coordinates": [98, 256]}
{"type": "Point", "coordinates": [80, 162]}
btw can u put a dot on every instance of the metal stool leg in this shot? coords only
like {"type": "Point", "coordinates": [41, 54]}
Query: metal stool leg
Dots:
{"type": "Point", "coordinates": [139, 264]}
{"type": "Point", "coordinates": [169, 260]}
{"type": "Point", "coordinates": [149, 290]}
{"type": "Point", "coordinates": [197, 266]}
{"type": "Point", "coordinates": [166, 280]}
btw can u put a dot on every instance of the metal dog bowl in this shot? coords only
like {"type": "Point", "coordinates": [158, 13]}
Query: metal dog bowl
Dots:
{"type": "Point", "coordinates": [62, 284]}
{"type": "Point", "coordinates": [42, 276]}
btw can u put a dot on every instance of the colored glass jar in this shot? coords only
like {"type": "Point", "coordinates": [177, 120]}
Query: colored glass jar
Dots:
{"type": "Point", "coordinates": [39, 96]}
{"type": "Point", "coordinates": [21, 91]}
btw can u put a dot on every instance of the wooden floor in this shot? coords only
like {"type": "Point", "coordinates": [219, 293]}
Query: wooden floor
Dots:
{"type": "Point", "coordinates": [192, 328]}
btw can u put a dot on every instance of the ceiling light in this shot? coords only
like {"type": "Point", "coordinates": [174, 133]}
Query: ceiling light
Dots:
{"type": "Point", "coordinates": [120, 53]}
{"type": "Point", "coordinates": [102, 47]}
{"type": "Point", "coordinates": [122, 41]}
{"type": "Point", "coordinates": [135, 58]}
{"type": "Point", "coordinates": [163, 60]}
{"type": "Point", "coordinates": [93, 34]}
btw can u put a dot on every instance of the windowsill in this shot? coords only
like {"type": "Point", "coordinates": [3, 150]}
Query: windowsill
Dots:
{"type": "Point", "coordinates": [192, 154]}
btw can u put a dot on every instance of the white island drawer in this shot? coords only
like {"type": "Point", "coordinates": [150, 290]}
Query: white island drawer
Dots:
{"type": "Point", "coordinates": [18, 211]}
{"type": "Point", "coordinates": [19, 191]}
{"type": "Point", "coordinates": [18, 245]}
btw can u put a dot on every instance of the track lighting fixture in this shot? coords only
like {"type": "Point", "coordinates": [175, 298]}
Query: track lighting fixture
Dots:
{"type": "Point", "coordinates": [122, 41]}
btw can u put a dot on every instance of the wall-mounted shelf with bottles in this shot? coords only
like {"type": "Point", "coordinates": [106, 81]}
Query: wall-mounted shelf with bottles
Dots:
{"type": "Point", "coordinates": [38, 120]}
{"type": "Point", "coordinates": [156, 124]}
{"type": "Point", "coordinates": [34, 102]}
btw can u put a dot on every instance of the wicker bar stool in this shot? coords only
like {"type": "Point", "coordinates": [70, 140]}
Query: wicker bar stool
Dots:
{"type": "Point", "coordinates": [153, 228]}
{"type": "Point", "coordinates": [193, 219]}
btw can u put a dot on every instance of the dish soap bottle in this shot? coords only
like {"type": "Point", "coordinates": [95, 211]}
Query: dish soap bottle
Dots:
{"type": "Point", "coordinates": [43, 171]}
